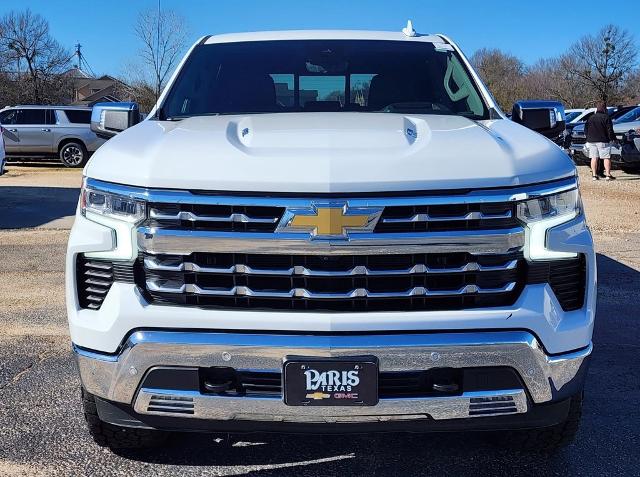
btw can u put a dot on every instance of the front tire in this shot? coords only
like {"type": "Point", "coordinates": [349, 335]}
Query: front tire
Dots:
{"type": "Point", "coordinates": [548, 440]}
{"type": "Point", "coordinates": [74, 154]}
{"type": "Point", "coordinates": [117, 437]}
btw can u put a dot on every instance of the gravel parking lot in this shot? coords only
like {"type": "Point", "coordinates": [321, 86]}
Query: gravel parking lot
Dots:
{"type": "Point", "coordinates": [41, 425]}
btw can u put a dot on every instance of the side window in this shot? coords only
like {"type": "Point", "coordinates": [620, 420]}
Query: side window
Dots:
{"type": "Point", "coordinates": [51, 117]}
{"type": "Point", "coordinates": [587, 116]}
{"type": "Point", "coordinates": [458, 87]}
{"type": "Point", "coordinates": [77, 116]}
{"type": "Point", "coordinates": [359, 86]}
{"type": "Point", "coordinates": [8, 117]}
{"type": "Point", "coordinates": [285, 89]}
{"type": "Point", "coordinates": [31, 116]}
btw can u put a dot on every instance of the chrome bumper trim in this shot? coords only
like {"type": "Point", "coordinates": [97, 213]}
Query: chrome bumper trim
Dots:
{"type": "Point", "coordinates": [211, 407]}
{"type": "Point", "coordinates": [118, 377]}
{"type": "Point", "coordinates": [185, 242]}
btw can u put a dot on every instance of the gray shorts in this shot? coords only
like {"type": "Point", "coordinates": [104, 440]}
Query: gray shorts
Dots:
{"type": "Point", "coordinates": [599, 150]}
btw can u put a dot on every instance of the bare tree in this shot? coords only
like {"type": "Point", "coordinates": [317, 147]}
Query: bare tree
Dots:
{"type": "Point", "coordinates": [547, 79]}
{"type": "Point", "coordinates": [502, 73]}
{"type": "Point", "coordinates": [27, 47]}
{"type": "Point", "coordinates": [135, 89]}
{"type": "Point", "coordinates": [602, 62]}
{"type": "Point", "coordinates": [631, 89]}
{"type": "Point", "coordinates": [163, 36]}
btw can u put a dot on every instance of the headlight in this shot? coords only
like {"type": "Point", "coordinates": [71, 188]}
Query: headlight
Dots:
{"type": "Point", "coordinates": [542, 213]}
{"type": "Point", "coordinates": [550, 206]}
{"type": "Point", "coordinates": [111, 205]}
{"type": "Point", "coordinates": [118, 212]}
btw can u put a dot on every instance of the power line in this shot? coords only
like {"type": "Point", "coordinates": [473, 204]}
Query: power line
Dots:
{"type": "Point", "coordinates": [82, 62]}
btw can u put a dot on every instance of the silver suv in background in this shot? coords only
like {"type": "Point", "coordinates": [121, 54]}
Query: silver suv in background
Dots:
{"type": "Point", "coordinates": [49, 131]}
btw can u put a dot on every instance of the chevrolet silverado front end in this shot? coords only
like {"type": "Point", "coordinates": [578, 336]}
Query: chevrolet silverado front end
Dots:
{"type": "Point", "coordinates": [329, 231]}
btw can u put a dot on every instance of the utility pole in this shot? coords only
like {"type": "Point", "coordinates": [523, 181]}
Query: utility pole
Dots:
{"type": "Point", "coordinates": [78, 53]}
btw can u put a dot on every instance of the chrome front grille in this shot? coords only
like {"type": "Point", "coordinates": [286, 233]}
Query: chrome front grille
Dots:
{"type": "Point", "coordinates": [256, 219]}
{"type": "Point", "coordinates": [334, 283]}
{"type": "Point", "coordinates": [426, 218]}
{"type": "Point", "coordinates": [439, 250]}
{"type": "Point", "coordinates": [223, 218]}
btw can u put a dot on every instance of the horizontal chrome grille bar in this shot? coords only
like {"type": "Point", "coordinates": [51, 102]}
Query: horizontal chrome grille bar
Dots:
{"type": "Point", "coordinates": [156, 264]}
{"type": "Point", "coordinates": [192, 217]}
{"type": "Point", "coordinates": [303, 293]}
{"type": "Point", "coordinates": [185, 242]}
{"type": "Point", "coordinates": [451, 218]}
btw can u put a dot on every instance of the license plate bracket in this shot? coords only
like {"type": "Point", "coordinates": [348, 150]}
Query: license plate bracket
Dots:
{"type": "Point", "coordinates": [344, 381]}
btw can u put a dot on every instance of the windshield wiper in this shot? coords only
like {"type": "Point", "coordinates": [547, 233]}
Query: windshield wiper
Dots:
{"type": "Point", "coordinates": [180, 117]}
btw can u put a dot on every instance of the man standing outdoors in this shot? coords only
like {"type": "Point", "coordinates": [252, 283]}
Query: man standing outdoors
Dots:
{"type": "Point", "coordinates": [600, 135]}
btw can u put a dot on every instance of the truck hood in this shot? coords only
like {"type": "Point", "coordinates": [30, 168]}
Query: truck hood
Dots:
{"type": "Point", "coordinates": [328, 152]}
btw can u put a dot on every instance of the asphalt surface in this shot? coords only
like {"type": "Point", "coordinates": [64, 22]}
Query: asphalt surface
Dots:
{"type": "Point", "coordinates": [42, 430]}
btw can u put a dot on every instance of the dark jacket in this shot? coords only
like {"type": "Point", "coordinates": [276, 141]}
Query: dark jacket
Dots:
{"type": "Point", "coordinates": [599, 128]}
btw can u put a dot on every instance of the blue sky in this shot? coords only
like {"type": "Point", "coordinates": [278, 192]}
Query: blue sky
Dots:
{"type": "Point", "coordinates": [528, 29]}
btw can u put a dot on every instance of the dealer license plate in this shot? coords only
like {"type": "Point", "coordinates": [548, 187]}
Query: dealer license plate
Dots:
{"type": "Point", "coordinates": [331, 382]}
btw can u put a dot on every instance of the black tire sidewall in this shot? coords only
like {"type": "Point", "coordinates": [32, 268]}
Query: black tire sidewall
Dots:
{"type": "Point", "coordinates": [79, 145]}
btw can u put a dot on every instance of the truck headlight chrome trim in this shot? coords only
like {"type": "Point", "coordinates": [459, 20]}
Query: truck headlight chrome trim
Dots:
{"type": "Point", "coordinates": [540, 214]}
{"type": "Point", "coordinates": [118, 212]}
{"type": "Point", "coordinates": [111, 205]}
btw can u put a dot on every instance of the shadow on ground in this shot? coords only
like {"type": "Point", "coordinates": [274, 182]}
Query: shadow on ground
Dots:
{"type": "Point", "coordinates": [23, 207]}
{"type": "Point", "coordinates": [52, 163]}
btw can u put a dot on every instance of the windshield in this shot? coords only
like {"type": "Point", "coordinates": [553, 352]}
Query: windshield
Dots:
{"type": "Point", "coordinates": [572, 115]}
{"type": "Point", "coordinates": [323, 75]}
{"type": "Point", "coordinates": [629, 116]}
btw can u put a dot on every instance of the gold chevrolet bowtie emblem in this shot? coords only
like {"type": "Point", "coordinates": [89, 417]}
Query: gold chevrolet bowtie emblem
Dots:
{"type": "Point", "coordinates": [317, 396]}
{"type": "Point", "coordinates": [329, 221]}
{"type": "Point", "coordinates": [332, 221]}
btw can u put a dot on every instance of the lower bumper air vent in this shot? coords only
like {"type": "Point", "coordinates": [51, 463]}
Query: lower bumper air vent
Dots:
{"type": "Point", "coordinates": [171, 404]}
{"type": "Point", "coordinates": [492, 405]}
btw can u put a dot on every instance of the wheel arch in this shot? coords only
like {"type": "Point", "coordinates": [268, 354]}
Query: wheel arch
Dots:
{"type": "Point", "coordinates": [66, 140]}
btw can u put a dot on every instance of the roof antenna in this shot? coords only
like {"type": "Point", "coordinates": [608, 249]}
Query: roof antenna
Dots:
{"type": "Point", "coordinates": [408, 30]}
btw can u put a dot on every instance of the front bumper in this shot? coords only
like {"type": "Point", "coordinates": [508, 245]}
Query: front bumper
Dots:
{"type": "Point", "coordinates": [121, 378]}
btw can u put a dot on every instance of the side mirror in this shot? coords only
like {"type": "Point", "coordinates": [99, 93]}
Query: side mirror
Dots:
{"type": "Point", "coordinates": [630, 135]}
{"type": "Point", "coordinates": [109, 119]}
{"type": "Point", "coordinates": [545, 117]}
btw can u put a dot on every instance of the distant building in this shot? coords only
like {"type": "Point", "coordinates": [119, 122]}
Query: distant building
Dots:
{"type": "Point", "coordinates": [88, 90]}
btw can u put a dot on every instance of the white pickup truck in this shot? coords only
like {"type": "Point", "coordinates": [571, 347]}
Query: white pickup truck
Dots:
{"type": "Point", "coordinates": [329, 231]}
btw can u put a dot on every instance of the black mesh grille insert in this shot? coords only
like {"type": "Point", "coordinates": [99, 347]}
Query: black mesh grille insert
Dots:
{"type": "Point", "coordinates": [391, 384]}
